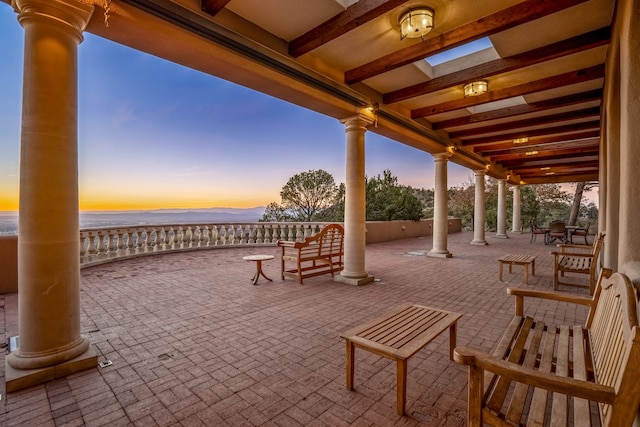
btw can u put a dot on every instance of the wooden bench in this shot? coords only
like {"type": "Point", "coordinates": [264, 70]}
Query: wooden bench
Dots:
{"type": "Point", "coordinates": [398, 335]}
{"type": "Point", "coordinates": [577, 259]}
{"type": "Point", "coordinates": [316, 255]}
{"type": "Point", "coordinates": [544, 374]}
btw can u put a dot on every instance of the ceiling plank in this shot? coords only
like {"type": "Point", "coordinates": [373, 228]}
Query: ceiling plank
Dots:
{"type": "Point", "coordinates": [552, 82]}
{"type": "Point", "coordinates": [595, 124]}
{"type": "Point", "coordinates": [568, 162]}
{"type": "Point", "coordinates": [534, 107]}
{"type": "Point", "coordinates": [354, 16]}
{"type": "Point", "coordinates": [535, 121]}
{"type": "Point", "coordinates": [486, 149]}
{"type": "Point", "coordinates": [567, 47]}
{"type": "Point", "coordinates": [212, 7]}
{"type": "Point", "coordinates": [492, 24]}
{"type": "Point", "coordinates": [568, 166]}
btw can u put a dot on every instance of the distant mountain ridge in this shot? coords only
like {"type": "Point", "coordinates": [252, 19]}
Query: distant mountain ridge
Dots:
{"type": "Point", "coordinates": [93, 219]}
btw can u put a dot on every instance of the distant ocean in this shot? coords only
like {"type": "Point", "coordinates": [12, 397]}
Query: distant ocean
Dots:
{"type": "Point", "coordinates": [9, 220]}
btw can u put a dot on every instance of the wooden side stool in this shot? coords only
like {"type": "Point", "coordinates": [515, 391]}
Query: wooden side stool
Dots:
{"type": "Point", "coordinates": [523, 260]}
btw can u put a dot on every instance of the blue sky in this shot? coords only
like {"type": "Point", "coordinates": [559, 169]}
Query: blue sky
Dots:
{"type": "Point", "coordinates": [154, 134]}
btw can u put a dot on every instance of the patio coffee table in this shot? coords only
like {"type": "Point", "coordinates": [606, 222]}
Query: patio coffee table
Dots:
{"type": "Point", "coordinates": [398, 335]}
{"type": "Point", "coordinates": [258, 260]}
{"type": "Point", "coordinates": [523, 260]}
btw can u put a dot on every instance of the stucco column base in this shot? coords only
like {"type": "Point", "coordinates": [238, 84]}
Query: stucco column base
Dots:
{"type": "Point", "coordinates": [354, 281]}
{"type": "Point", "coordinates": [501, 236]}
{"type": "Point", "coordinates": [479, 242]}
{"type": "Point", "coordinates": [18, 379]}
{"type": "Point", "coordinates": [439, 254]}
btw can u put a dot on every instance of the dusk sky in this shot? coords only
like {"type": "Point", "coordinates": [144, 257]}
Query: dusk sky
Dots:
{"type": "Point", "coordinates": [153, 134]}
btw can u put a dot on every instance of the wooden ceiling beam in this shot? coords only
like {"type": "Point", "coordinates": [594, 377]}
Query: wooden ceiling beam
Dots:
{"type": "Point", "coordinates": [585, 113]}
{"type": "Point", "coordinates": [556, 146]}
{"type": "Point", "coordinates": [484, 150]}
{"type": "Point", "coordinates": [572, 166]}
{"type": "Point", "coordinates": [560, 80]}
{"type": "Point", "coordinates": [536, 132]}
{"type": "Point", "coordinates": [505, 159]}
{"type": "Point", "coordinates": [536, 163]}
{"type": "Point", "coordinates": [354, 16]}
{"type": "Point", "coordinates": [491, 24]}
{"type": "Point", "coordinates": [545, 157]}
{"type": "Point", "coordinates": [533, 107]}
{"type": "Point", "coordinates": [553, 179]}
{"type": "Point", "coordinates": [562, 48]}
{"type": "Point", "coordinates": [212, 7]}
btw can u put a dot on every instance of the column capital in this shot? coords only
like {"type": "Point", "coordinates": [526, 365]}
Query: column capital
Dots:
{"type": "Point", "coordinates": [480, 172]}
{"type": "Point", "coordinates": [360, 120]}
{"type": "Point", "coordinates": [70, 14]}
{"type": "Point", "coordinates": [442, 156]}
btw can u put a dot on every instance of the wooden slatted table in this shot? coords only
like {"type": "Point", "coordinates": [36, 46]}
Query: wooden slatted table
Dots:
{"type": "Point", "coordinates": [398, 335]}
{"type": "Point", "coordinates": [523, 260]}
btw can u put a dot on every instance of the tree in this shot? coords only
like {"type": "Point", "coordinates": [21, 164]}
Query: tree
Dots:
{"type": "Point", "coordinates": [462, 203]}
{"type": "Point", "coordinates": [581, 187]}
{"type": "Point", "coordinates": [388, 201]}
{"type": "Point", "coordinates": [304, 196]}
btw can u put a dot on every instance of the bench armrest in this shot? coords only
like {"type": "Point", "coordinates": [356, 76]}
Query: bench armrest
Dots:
{"type": "Point", "coordinates": [571, 254]}
{"type": "Point", "coordinates": [548, 295]}
{"type": "Point", "coordinates": [569, 386]}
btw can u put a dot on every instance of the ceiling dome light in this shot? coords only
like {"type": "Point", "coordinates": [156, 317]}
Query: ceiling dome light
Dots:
{"type": "Point", "coordinates": [416, 23]}
{"type": "Point", "coordinates": [476, 88]}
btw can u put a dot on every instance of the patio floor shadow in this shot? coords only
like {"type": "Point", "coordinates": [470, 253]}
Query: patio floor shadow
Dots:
{"type": "Point", "coordinates": [192, 342]}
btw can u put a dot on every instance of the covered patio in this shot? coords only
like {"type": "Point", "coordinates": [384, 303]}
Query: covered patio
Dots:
{"type": "Point", "coordinates": [192, 342]}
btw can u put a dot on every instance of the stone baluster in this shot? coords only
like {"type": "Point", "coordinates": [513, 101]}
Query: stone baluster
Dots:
{"type": "Point", "coordinates": [214, 235]}
{"type": "Point", "coordinates": [111, 243]}
{"type": "Point", "coordinates": [99, 244]}
{"type": "Point", "coordinates": [161, 240]}
{"type": "Point", "coordinates": [300, 232]}
{"type": "Point", "coordinates": [258, 234]}
{"type": "Point", "coordinates": [91, 250]}
{"type": "Point", "coordinates": [179, 237]}
{"type": "Point", "coordinates": [196, 236]}
{"type": "Point", "coordinates": [122, 236]}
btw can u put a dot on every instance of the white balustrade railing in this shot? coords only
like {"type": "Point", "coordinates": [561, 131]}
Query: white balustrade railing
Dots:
{"type": "Point", "coordinates": [104, 244]}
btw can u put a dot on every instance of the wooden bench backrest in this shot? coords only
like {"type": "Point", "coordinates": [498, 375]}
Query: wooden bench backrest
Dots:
{"type": "Point", "coordinates": [615, 346]}
{"type": "Point", "coordinates": [331, 240]}
{"type": "Point", "coordinates": [597, 245]}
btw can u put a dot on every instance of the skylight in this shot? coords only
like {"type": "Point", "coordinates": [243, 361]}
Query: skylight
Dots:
{"type": "Point", "coordinates": [459, 52]}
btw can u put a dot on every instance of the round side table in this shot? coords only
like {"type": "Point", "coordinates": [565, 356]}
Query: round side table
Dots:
{"type": "Point", "coordinates": [258, 260]}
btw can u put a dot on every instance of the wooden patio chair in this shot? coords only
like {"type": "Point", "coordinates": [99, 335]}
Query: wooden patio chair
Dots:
{"type": "Point", "coordinates": [537, 230]}
{"type": "Point", "coordinates": [578, 259]}
{"type": "Point", "coordinates": [557, 231]}
{"type": "Point", "coordinates": [580, 232]}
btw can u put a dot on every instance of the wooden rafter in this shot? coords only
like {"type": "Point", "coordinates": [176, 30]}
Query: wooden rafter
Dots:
{"type": "Point", "coordinates": [547, 104]}
{"type": "Point", "coordinates": [492, 24]}
{"type": "Point", "coordinates": [556, 162]}
{"type": "Point", "coordinates": [556, 146]}
{"type": "Point", "coordinates": [485, 150]}
{"type": "Point", "coordinates": [535, 121]}
{"type": "Point", "coordinates": [595, 124]}
{"type": "Point", "coordinates": [212, 7]}
{"type": "Point", "coordinates": [552, 82]}
{"type": "Point", "coordinates": [354, 16]}
{"type": "Point", "coordinates": [556, 167]}
{"type": "Point", "coordinates": [545, 156]}
{"type": "Point", "coordinates": [567, 47]}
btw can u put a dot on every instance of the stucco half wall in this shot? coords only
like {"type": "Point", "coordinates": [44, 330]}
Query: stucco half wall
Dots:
{"type": "Point", "coordinates": [384, 231]}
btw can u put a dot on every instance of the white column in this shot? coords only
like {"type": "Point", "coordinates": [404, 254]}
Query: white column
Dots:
{"type": "Point", "coordinates": [355, 214]}
{"type": "Point", "coordinates": [502, 210]}
{"type": "Point", "coordinates": [48, 248]}
{"type": "Point", "coordinates": [479, 209]}
{"type": "Point", "coordinates": [516, 227]}
{"type": "Point", "coordinates": [440, 208]}
{"type": "Point", "coordinates": [629, 244]}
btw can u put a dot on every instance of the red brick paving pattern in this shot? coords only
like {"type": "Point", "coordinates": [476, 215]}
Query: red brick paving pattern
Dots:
{"type": "Point", "coordinates": [193, 343]}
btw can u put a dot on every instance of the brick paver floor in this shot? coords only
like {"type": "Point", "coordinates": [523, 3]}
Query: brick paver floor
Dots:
{"type": "Point", "coordinates": [193, 343]}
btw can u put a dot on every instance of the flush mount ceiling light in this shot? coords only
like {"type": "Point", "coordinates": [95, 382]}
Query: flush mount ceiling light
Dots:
{"type": "Point", "coordinates": [521, 140]}
{"type": "Point", "coordinates": [416, 23]}
{"type": "Point", "coordinates": [476, 88]}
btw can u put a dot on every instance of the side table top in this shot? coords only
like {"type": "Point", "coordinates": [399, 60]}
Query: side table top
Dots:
{"type": "Point", "coordinates": [517, 258]}
{"type": "Point", "coordinates": [257, 257]}
{"type": "Point", "coordinates": [403, 331]}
